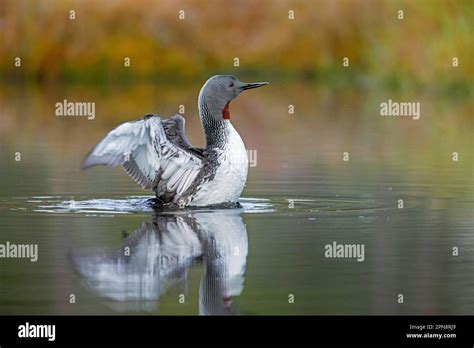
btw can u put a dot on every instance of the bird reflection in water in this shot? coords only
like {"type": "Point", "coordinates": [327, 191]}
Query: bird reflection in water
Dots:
{"type": "Point", "coordinates": [157, 255]}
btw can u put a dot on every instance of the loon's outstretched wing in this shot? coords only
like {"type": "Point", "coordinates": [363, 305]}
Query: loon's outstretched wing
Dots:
{"type": "Point", "coordinates": [154, 152]}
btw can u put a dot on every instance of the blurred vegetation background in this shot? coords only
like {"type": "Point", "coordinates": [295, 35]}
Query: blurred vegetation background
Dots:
{"type": "Point", "coordinates": [412, 53]}
{"type": "Point", "coordinates": [409, 59]}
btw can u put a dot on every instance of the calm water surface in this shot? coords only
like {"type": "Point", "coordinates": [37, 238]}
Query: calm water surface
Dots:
{"type": "Point", "coordinates": [300, 196]}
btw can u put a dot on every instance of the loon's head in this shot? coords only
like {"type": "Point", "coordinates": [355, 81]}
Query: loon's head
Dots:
{"type": "Point", "coordinates": [220, 90]}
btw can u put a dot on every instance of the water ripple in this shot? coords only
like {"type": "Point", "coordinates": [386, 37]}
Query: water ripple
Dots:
{"type": "Point", "coordinates": [117, 206]}
{"type": "Point", "coordinates": [330, 206]}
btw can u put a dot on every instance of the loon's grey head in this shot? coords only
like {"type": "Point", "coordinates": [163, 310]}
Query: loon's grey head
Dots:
{"type": "Point", "coordinates": [218, 92]}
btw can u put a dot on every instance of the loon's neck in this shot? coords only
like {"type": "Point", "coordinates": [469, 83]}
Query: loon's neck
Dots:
{"type": "Point", "coordinates": [214, 125]}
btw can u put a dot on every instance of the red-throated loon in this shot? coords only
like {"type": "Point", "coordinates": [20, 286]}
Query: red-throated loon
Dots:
{"type": "Point", "coordinates": [158, 156]}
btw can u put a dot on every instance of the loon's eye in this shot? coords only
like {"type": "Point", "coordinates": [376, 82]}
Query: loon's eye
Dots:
{"type": "Point", "coordinates": [231, 84]}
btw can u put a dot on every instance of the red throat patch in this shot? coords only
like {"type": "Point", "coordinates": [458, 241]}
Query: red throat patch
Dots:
{"type": "Point", "coordinates": [226, 112]}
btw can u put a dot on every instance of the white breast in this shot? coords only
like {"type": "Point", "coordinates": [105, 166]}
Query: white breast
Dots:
{"type": "Point", "coordinates": [231, 174]}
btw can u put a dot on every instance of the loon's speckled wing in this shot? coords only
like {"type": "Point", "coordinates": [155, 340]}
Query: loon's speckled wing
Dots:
{"type": "Point", "coordinates": [174, 129]}
{"type": "Point", "coordinates": [155, 153]}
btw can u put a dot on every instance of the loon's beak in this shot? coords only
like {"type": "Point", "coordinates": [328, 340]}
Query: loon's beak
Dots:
{"type": "Point", "coordinates": [252, 85]}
